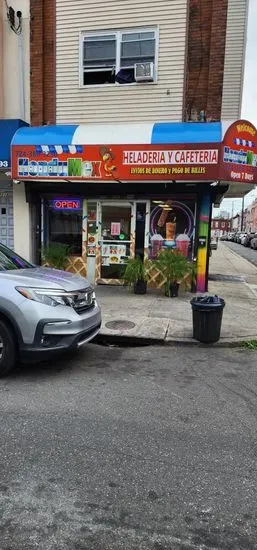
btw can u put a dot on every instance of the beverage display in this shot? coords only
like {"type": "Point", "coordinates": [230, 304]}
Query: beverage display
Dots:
{"type": "Point", "coordinates": [170, 231]}
{"type": "Point", "coordinates": [163, 217]}
{"type": "Point", "coordinates": [157, 242]}
{"type": "Point", "coordinates": [183, 243]}
{"type": "Point", "coordinates": [172, 226]}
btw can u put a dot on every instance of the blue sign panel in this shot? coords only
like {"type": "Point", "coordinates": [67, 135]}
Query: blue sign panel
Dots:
{"type": "Point", "coordinates": [8, 127]}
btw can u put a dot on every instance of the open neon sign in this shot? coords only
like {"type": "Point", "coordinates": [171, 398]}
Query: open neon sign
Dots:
{"type": "Point", "coordinates": [66, 204]}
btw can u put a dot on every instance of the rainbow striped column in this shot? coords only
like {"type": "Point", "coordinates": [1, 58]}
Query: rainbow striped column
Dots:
{"type": "Point", "coordinates": [202, 252]}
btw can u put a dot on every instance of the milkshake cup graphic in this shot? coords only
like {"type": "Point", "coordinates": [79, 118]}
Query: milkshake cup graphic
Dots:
{"type": "Point", "coordinates": [162, 218]}
{"type": "Point", "coordinates": [157, 242]}
{"type": "Point", "coordinates": [170, 231]}
{"type": "Point", "coordinates": [182, 243]}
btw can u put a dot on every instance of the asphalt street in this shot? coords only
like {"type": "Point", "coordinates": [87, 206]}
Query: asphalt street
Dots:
{"type": "Point", "coordinates": [148, 448]}
{"type": "Point", "coordinates": [246, 252]}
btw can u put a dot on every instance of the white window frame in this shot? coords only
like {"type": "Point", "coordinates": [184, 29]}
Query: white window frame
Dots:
{"type": "Point", "coordinates": [118, 34]}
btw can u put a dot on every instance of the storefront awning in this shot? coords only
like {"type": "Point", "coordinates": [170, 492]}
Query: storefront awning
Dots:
{"type": "Point", "coordinates": [117, 134]}
{"type": "Point", "coordinates": [181, 152]}
{"type": "Point", "coordinates": [8, 127]}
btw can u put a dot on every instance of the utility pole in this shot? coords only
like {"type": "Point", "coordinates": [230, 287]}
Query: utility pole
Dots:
{"type": "Point", "coordinates": [242, 213]}
{"type": "Point", "coordinates": [232, 216]}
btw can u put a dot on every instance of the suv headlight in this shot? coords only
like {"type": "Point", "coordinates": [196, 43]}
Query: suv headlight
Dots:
{"type": "Point", "coordinates": [47, 296]}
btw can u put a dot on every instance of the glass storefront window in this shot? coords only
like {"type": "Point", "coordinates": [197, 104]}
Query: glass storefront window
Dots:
{"type": "Point", "coordinates": [115, 239]}
{"type": "Point", "coordinates": [172, 224]}
{"type": "Point", "coordinates": [64, 226]}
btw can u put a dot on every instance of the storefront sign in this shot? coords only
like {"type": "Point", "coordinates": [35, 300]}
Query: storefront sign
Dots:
{"type": "Point", "coordinates": [115, 229]}
{"type": "Point", "coordinates": [91, 251]}
{"type": "Point", "coordinates": [67, 204]}
{"type": "Point", "coordinates": [8, 127]}
{"type": "Point", "coordinates": [239, 153]}
{"type": "Point", "coordinates": [113, 254]}
{"type": "Point", "coordinates": [117, 162]}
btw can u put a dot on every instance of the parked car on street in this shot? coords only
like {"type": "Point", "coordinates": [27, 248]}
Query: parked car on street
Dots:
{"type": "Point", "coordinates": [243, 238]}
{"type": "Point", "coordinates": [214, 243]}
{"type": "Point", "coordinates": [233, 237]}
{"type": "Point", "coordinates": [42, 311]}
{"type": "Point", "coordinates": [240, 238]}
{"type": "Point", "coordinates": [254, 242]}
{"type": "Point", "coordinates": [248, 239]}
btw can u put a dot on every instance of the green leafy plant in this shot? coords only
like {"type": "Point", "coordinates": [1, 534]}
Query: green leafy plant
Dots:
{"type": "Point", "coordinates": [56, 255]}
{"type": "Point", "coordinates": [135, 271]}
{"type": "Point", "coordinates": [251, 344]}
{"type": "Point", "coordinates": [174, 267]}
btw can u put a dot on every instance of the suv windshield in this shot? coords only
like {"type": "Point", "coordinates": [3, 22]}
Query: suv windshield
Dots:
{"type": "Point", "coordinates": [10, 260]}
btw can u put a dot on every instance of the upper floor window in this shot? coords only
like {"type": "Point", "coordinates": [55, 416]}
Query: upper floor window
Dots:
{"type": "Point", "coordinates": [120, 57]}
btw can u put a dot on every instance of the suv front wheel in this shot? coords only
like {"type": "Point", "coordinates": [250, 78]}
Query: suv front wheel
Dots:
{"type": "Point", "coordinates": [8, 351]}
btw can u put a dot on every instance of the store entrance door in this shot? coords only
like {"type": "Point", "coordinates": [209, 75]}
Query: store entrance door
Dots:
{"type": "Point", "coordinates": [117, 239]}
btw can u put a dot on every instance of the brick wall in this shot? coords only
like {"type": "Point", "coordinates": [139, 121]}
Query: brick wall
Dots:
{"type": "Point", "coordinates": [205, 58]}
{"type": "Point", "coordinates": [42, 61]}
{"type": "Point", "coordinates": [220, 224]}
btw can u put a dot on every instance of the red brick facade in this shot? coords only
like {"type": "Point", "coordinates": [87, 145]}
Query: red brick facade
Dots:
{"type": "Point", "coordinates": [205, 58]}
{"type": "Point", "coordinates": [42, 61]}
{"type": "Point", "coordinates": [204, 64]}
{"type": "Point", "coordinates": [220, 226]}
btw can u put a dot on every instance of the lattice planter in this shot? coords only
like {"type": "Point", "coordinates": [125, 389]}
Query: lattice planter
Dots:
{"type": "Point", "coordinates": [157, 280]}
{"type": "Point", "coordinates": [75, 264]}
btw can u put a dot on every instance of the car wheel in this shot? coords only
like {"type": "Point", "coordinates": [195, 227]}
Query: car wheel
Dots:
{"type": "Point", "coordinates": [8, 350]}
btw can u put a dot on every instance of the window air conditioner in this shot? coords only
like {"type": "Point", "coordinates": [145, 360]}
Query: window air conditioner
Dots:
{"type": "Point", "coordinates": [144, 72]}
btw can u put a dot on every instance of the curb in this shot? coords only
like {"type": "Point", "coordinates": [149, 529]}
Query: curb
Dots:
{"type": "Point", "coordinates": [130, 341]}
{"type": "Point", "coordinates": [115, 339]}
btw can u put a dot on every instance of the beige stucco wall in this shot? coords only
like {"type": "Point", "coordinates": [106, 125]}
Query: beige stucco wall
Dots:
{"type": "Point", "coordinates": [10, 83]}
{"type": "Point", "coordinates": [10, 106]}
{"type": "Point", "coordinates": [1, 62]}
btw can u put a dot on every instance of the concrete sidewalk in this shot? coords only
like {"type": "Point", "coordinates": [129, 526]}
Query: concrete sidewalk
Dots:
{"type": "Point", "coordinates": [156, 318]}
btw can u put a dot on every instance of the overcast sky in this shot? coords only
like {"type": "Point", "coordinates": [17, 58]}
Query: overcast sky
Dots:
{"type": "Point", "coordinates": [249, 108]}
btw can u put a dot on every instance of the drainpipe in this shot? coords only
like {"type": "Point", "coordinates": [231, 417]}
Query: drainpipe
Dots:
{"type": "Point", "coordinates": [242, 214]}
{"type": "Point", "coordinates": [21, 68]}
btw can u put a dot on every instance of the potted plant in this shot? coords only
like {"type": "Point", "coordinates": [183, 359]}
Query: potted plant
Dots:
{"type": "Point", "coordinates": [56, 255]}
{"type": "Point", "coordinates": [173, 265]}
{"type": "Point", "coordinates": [136, 274]}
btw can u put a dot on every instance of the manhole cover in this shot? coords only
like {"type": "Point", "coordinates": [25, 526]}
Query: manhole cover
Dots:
{"type": "Point", "coordinates": [232, 278]}
{"type": "Point", "coordinates": [120, 325]}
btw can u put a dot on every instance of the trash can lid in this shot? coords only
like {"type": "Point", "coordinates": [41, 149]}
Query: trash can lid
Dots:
{"type": "Point", "coordinates": [208, 301]}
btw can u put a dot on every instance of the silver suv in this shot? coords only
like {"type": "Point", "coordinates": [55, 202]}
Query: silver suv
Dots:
{"type": "Point", "coordinates": [42, 311]}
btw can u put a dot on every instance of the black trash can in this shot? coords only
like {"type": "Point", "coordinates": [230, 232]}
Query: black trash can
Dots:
{"type": "Point", "coordinates": [207, 318]}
